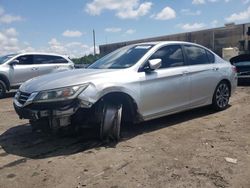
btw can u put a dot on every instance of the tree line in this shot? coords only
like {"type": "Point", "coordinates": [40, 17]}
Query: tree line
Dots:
{"type": "Point", "coordinates": [86, 60]}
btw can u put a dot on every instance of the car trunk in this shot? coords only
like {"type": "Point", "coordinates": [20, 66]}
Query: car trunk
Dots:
{"type": "Point", "coordinates": [242, 63]}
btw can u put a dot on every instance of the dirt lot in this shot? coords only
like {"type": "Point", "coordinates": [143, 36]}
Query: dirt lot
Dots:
{"type": "Point", "coordinates": [183, 150]}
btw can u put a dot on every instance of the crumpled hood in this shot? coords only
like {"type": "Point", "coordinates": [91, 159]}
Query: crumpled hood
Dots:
{"type": "Point", "coordinates": [63, 79]}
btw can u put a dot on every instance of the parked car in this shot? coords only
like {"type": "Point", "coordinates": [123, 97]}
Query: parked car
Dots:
{"type": "Point", "coordinates": [18, 68]}
{"type": "Point", "coordinates": [242, 64]}
{"type": "Point", "coordinates": [136, 83]}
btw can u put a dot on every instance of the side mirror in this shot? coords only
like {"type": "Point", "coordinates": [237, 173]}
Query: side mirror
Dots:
{"type": "Point", "coordinates": [154, 64]}
{"type": "Point", "coordinates": [14, 62]}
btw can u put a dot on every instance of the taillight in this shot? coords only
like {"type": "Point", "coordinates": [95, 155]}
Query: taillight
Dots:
{"type": "Point", "coordinates": [234, 69]}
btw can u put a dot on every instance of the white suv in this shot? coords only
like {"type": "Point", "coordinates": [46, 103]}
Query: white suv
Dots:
{"type": "Point", "coordinates": [18, 68]}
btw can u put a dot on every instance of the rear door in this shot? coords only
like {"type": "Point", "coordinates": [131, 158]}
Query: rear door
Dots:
{"type": "Point", "coordinates": [166, 89]}
{"type": "Point", "coordinates": [204, 74]}
{"type": "Point", "coordinates": [62, 64]}
{"type": "Point", "coordinates": [50, 64]}
{"type": "Point", "coordinates": [22, 71]}
{"type": "Point", "coordinates": [44, 64]}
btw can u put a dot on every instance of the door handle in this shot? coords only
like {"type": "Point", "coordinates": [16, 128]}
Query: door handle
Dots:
{"type": "Point", "coordinates": [215, 68]}
{"type": "Point", "coordinates": [184, 73]}
{"type": "Point", "coordinates": [34, 68]}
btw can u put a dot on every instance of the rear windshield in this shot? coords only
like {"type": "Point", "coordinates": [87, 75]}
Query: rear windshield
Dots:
{"type": "Point", "coordinates": [5, 58]}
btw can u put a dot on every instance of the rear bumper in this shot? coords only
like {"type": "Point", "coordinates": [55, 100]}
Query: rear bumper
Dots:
{"type": "Point", "coordinates": [244, 77]}
{"type": "Point", "coordinates": [234, 83]}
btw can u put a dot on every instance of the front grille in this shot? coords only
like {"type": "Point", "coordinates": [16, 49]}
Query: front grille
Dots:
{"type": "Point", "coordinates": [23, 97]}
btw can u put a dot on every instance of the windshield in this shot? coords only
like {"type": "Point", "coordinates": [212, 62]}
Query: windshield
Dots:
{"type": "Point", "coordinates": [5, 58]}
{"type": "Point", "coordinates": [122, 58]}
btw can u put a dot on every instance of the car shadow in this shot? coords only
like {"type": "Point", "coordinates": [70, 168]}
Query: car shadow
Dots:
{"type": "Point", "coordinates": [21, 141]}
{"type": "Point", "coordinates": [245, 83]}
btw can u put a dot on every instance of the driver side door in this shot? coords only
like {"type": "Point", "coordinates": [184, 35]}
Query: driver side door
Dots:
{"type": "Point", "coordinates": [167, 89]}
{"type": "Point", "coordinates": [23, 70]}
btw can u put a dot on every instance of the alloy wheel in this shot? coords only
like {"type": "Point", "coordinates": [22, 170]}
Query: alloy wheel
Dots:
{"type": "Point", "coordinates": [222, 95]}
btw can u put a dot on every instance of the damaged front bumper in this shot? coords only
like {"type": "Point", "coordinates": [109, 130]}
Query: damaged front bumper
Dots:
{"type": "Point", "coordinates": [35, 112]}
{"type": "Point", "coordinates": [59, 113]}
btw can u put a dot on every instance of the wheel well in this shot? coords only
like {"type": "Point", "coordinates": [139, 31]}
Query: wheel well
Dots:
{"type": "Point", "coordinates": [228, 83]}
{"type": "Point", "coordinates": [6, 81]}
{"type": "Point", "coordinates": [130, 109]}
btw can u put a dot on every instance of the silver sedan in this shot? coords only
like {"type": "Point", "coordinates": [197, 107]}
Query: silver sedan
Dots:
{"type": "Point", "coordinates": [136, 83]}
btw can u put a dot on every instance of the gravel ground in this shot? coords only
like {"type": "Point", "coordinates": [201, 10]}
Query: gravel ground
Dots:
{"type": "Point", "coordinates": [198, 148]}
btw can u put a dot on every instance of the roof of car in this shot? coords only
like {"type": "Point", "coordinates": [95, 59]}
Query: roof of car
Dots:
{"type": "Point", "coordinates": [40, 53]}
{"type": "Point", "coordinates": [165, 42]}
{"type": "Point", "coordinates": [160, 43]}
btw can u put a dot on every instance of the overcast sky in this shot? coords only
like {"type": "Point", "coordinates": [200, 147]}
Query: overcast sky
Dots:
{"type": "Point", "coordinates": [65, 26]}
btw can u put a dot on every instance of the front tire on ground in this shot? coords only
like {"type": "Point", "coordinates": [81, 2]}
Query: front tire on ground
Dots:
{"type": "Point", "coordinates": [221, 96]}
{"type": "Point", "coordinates": [2, 89]}
{"type": "Point", "coordinates": [110, 125]}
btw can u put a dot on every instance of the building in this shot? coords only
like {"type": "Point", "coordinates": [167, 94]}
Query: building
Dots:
{"type": "Point", "coordinates": [216, 39]}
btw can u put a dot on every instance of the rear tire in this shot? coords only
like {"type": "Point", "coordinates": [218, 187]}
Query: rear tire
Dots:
{"type": "Point", "coordinates": [2, 89]}
{"type": "Point", "coordinates": [221, 96]}
{"type": "Point", "coordinates": [110, 125]}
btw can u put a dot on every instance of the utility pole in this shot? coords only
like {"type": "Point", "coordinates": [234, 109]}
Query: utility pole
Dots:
{"type": "Point", "coordinates": [213, 46]}
{"type": "Point", "coordinates": [94, 41]}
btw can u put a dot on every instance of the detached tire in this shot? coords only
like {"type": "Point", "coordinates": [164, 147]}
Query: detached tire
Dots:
{"type": "Point", "coordinates": [221, 96]}
{"type": "Point", "coordinates": [2, 89]}
{"type": "Point", "coordinates": [110, 126]}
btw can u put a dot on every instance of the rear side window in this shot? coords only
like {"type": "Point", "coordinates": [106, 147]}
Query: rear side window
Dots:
{"type": "Point", "coordinates": [196, 55]}
{"type": "Point", "coordinates": [170, 55]}
{"type": "Point", "coordinates": [210, 56]}
{"type": "Point", "coordinates": [25, 60]}
{"type": "Point", "coordinates": [48, 59]}
{"type": "Point", "coordinates": [58, 59]}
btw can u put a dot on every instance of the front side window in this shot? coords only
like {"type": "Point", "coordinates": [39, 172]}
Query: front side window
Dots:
{"type": "Point", "coordinates": [170, 55]}
{"type": "Point", "coordinates": [196, 55]}
{"type": "Point", "coordinates": [122, 58]}
{"type": "Point", "coordinates": [25, 60]}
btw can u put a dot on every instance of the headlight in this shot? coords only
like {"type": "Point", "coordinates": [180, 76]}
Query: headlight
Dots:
{"type": "Point", "coordinates": [60, 94]}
